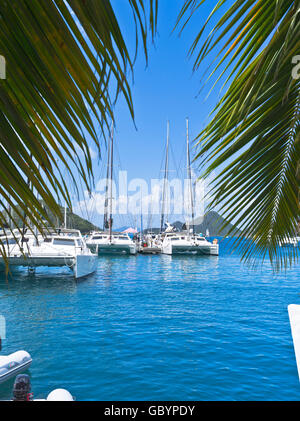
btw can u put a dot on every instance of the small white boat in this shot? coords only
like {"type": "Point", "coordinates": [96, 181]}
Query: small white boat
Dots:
{"type": "Point", "coordinates": [190, 244]}
{"type": "Point", "coordinates": [12, 364]}
{"type": "Point", "coordinates": [111, 243]}
{"type": "Point", "coordinates": [290, 242]}
{"type": "Point", "coordinates": [58, 248]}
{"type": "Point", "coordinates": [294, 316]}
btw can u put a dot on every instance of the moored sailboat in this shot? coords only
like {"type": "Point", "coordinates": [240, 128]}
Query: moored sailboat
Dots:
{"type": "Point", "coordinates": [56, 248]}
{"type": "Point", "coordinates": [114, 243]}
{"type": "Point", "coordinates": [187, 242]}
{"type": "Point", "coordinates": [107, 241]}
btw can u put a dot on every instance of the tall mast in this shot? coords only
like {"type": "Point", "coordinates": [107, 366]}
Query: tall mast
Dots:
{"type": "Point", "coordinates": [189, 174]}
{"type": "Point", "coordinates": [105, 218]}
{"type": "Point", "coordinates": [165, 179]}
{"type": "Point", "coordinates": [36, 241]}
{"type": "Point", "coordinates": [65, 216]}
{"type": "Point", "coordinates": [29, 184]}
{"type": "Point", "coordinates": [9, 213]}
{"type": "Point", "coordinates": [141, 218]}
{"type": "Point", "coordinates": [111, 178]}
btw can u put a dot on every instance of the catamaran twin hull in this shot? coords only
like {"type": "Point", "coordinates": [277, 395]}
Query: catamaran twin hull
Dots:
{"type": "Point", "coordinates": [82, 265]}
{"type": "Point", "coordinates": [191, 250]}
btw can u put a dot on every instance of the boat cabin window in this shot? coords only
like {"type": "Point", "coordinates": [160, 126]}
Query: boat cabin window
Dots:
{"type": "Point", "coordinates": [79, 243]}
{"type": "Point", "coordinates": [97, 237]}
{"type": "Point", "coordinates": [175, 238]}
{"type": "Point", "coordinates": [122, 237]}
{"type": "Point", "coordinates": [63, 242]}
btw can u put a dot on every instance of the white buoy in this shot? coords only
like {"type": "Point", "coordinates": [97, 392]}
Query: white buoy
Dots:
{"type": "Point", "coordinates": [60, 395]}
{"type": "Point", "coordinates": [294, 315]}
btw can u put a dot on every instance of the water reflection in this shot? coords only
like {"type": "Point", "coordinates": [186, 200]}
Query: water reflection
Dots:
{"type": "Point", "coordinates": [155, 327]}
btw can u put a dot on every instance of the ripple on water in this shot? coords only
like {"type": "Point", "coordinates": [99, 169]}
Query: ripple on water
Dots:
{"type": "Point", "coordinates": [156, 328]}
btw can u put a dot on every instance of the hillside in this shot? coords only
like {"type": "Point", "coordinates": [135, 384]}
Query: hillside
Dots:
{"type": "Point", "coordinates": [76, 222]}
{"type": "Point", "coordinates": [73, 221]}
{"type": "Point", "coordinates": [211, 221]}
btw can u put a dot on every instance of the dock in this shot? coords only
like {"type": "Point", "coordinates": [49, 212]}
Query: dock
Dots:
{"type": "Point", "coordinates": [150, 250]}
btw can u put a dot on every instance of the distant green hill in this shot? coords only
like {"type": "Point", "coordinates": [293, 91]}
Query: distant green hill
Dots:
{"type": "Point", "coordinates": [76, 222]}
{"type": "Point", "coordinates": [212, 222]}
{"type": "Point", "coordinates": [73, 221]}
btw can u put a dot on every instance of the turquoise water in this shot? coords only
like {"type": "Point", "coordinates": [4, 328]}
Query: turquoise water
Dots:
{"type": "Point", "coordinates": [156, 328]}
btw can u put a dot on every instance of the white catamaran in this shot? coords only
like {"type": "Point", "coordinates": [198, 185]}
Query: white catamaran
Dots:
{"type": "Point", "coordinates": [186, 242]}
{"type": "Point", "coordinates": [56, 248]}
{"type": "Point", "coordinates": [114, 243]}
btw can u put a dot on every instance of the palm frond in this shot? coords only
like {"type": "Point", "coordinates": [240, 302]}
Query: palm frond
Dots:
{"type": "Point", "coordinates": [67, 64]}
{"type": "Point", "coordinates": [253, 136]}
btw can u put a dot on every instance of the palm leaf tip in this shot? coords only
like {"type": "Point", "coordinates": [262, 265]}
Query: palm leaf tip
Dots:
{"type": "Point", "coordinates": [252, 139]}
{"type": "Point", "coordinates": [63, 60]}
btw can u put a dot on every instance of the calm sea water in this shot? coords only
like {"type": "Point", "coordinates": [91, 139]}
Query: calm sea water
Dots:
{"type": "Point", "coordinates": [156, 328]}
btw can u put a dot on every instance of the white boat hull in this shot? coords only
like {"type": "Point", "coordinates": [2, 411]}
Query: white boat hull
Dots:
{"type": "Point", "coordinates": [171, 249]}
{"type": "Point", "coordinates": [85, 265]}
{"type": "Point", "coordinates": [104, 248]}
{"type": "Point", "coordinates": [13, 364]}
{"type": "Point", "coordinates": [66, 248]}
{"type": "Point", "coordinates": [42, 260]}
{"type": "Point", "coordinates": [294, 316]}
{"type": "Point", "coordinates": [292, 242]}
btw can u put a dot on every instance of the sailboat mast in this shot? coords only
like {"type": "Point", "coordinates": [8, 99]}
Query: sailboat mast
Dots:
{"type": "Point", "coordinates": [29, 184]}
{"type": "Point", "coordinates": [65, 215]}
{"type": "Point", "coordinates": [105, 218]}
{"type": "Point", "coordinates": [189, 174]}
{"type": "Point", "coordinates": [141, 239]}
{"type": "Point", "coordinates": [111, 178]}
{"type": "Point", "coordinates": [9, 213]}
{"type": "Point", "coordinates": [165, 179]}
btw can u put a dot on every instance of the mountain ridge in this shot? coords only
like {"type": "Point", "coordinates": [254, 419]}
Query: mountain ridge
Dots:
{"type": "Point", "coordinates": [212, 221]}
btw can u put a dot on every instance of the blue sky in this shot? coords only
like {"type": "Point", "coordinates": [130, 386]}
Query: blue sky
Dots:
{"type": "Point", "coordinates": [164, 90]}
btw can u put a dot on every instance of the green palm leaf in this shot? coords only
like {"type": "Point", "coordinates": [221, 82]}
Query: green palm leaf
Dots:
{"type": "Point", "coordinates": [67, 64]}
{"type": "Point", "coordinates": [253, 138]}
